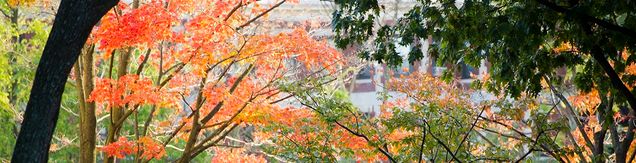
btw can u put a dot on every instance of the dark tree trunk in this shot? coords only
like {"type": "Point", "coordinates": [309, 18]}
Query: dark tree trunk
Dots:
{"type": "Point", "coordinates": [623, 148]}
{"type": "Point", "coordinates": [73, 23]}
{"type": "Point", "coordinates": [604, 113]}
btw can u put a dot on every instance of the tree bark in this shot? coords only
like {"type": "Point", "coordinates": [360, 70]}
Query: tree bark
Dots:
{"type": "Point", "coordinates": [604, 110]}
{"type": "Point", "coordinates": [87, 109]}
{"type": "Point", "coordinates": [72, 25]}
{"type": "Point", "coordinates": [623, 146]}
{"type": "Point", "coordinates": [82, 106]}
{"type": "Point", "coordinates": [196, 127]}
{"type": "Point", "coordinates": [15, 40]}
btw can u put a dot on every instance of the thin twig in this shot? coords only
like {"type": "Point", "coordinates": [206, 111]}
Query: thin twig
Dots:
{"type": "Point", "coordinates": [470, 130]}
{"type": "Point", "coordinates": [260, 15]}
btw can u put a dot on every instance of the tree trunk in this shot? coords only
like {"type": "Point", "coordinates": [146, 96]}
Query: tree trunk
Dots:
{"type": "Point", "coordinates": [192, 139]}
{"type": "Point", "coordinates": [87, 109]}
{"type": "Point", "coordinates": [117, 113]}
{"type": "Point", "coordinates": [72, 25]}
{"type": "Point", "coordinates": [621, 151]}
{"type": "Point", "coordinates": [604, 110]}
{"type": "Point", "coordinates": [15, 40]}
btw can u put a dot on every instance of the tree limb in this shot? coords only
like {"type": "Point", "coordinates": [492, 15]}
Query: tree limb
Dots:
{"type": "Point", "coordinates": [587, 18]}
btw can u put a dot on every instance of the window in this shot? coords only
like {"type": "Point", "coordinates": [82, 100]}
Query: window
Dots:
{"type": "Point", "coordinates": [365, 73]}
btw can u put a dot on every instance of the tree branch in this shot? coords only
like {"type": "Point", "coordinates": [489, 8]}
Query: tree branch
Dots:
{"type": "Point", "coordinates": [531, 148]}
{"type": "Point", "coordinates": [470, 130]}
{"type": "Point", "coordinates": [385, 153]}
{"type": "Point", "coordinates": [260, 15]}
{"type": "Point", "coordinates": [587, 18]}
{"type": "Point", "coordinates": [448, 150]}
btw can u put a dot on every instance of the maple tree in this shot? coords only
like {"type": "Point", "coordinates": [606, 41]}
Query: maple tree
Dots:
{"type": "Point", "coordinates": [210, 71]}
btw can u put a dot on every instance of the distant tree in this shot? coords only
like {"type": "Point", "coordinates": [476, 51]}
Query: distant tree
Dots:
{"type": "Point", "coordinates": [22, 41]}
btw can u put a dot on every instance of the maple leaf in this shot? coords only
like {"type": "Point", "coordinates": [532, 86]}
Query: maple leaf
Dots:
{"type": "Point", "coordinates": [120, 148]}
{"type": "Point", "coordinates": [235, 155]}
{"type": "Point", "coordinates": [151, 148]}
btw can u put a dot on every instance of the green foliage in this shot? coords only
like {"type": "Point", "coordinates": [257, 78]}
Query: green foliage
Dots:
{"type": "Point", "coordinates": [7, 113]}
{"type": "Point", "coordinates": [21, 43]}
{"type": "Point", "coordinates": [516, 37]}
{"type": "Point", "coordinates": [7, 125]}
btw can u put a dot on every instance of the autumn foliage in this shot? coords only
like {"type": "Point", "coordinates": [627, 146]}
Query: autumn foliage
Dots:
{"type": "Point", "coordinates": [202, 66]}
{"type": "Point", "coordinates": [218, 80]}
{"type": "Point", "coordinates": [151, 149]}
